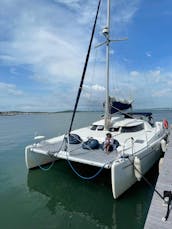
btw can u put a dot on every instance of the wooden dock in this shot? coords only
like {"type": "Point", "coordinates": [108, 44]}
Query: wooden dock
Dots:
{"type": "Point", "coordinates": [157, 208]}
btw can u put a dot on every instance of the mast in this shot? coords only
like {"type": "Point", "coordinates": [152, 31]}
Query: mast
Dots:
{"type": "Point", "coordinates": [106, 32]}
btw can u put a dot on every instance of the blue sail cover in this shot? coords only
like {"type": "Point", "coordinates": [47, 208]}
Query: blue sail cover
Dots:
{"type": "Point", "coordinates": [118, 105]}
{"type": "Point", "coordinates": [115, 106]}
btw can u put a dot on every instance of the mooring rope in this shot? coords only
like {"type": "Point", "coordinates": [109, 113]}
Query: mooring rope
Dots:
{"type": "Point", "coordinates": [146, 180]}
{"type": "Point", "coordinates": [167, 194]}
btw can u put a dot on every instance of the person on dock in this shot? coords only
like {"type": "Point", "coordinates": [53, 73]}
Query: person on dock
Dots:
{"type": "Point", "coordinates": [109, 143]}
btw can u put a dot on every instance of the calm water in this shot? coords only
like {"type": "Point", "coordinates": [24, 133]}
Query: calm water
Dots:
{"type": "Point", "coordinates": [57, 198]}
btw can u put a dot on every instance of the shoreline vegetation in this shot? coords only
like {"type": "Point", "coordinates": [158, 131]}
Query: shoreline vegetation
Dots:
{"type": "Point", "coordinates": [12, 113]}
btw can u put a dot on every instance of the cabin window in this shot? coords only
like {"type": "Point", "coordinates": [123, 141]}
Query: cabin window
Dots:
{"type": "Point", "coordinates": [113, 129]}
{"type": "Point", "coordinates": [128, 129]}
{"type": "Point", "coordinates": [97, 127]}
{"type": "Point", "coordinates": [101, 127]}
{"type": "Point", "coordinates": [93, 127]}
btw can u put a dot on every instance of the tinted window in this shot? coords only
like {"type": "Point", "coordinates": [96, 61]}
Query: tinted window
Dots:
{"type": "Point", "coordinates": [101, 127]}
{"type": "Point", "coordinates": [113, 129]}
{"type": "Point", "coordinates": [93, 127]}
{"type": "Point", "coordinates": [127, 129]}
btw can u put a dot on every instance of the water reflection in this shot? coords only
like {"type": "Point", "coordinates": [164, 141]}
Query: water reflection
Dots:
{"type": "Point", "coordinates": [92, 201]}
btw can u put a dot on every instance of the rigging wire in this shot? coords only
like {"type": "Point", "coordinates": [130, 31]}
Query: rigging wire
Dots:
{"type": "Point", "coordinates": [85, 68]}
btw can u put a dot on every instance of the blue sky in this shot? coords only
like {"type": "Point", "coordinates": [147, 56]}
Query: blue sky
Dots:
{"type": "Point", "coordinates": [43, 45]}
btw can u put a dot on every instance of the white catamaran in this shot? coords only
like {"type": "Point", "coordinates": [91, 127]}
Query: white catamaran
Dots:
{"type": "Point", "coordinates": [137, 139]}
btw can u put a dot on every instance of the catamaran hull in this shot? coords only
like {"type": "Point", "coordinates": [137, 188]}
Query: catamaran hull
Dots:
{"type": "Point", "coordinates": [35, 159]}
{"type": "Point", "coordinates": [123, 172]}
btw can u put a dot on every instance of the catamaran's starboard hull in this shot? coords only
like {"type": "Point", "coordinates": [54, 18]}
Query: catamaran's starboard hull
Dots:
{"type": "Point", "coordinates": [123, 172]}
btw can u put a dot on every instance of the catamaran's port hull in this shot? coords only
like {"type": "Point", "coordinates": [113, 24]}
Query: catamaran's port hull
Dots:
{"type": "Point", "coordinates": [35, 159]}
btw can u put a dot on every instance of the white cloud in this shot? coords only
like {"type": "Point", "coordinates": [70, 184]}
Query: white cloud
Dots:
{"type": "Point", "coordinates": [98, 87]}
{"type": "Point", "coordinates": [148, 54]}
{"type": "Point", "coordinates": [85, 10]}
{"type": "Point", "coordinates": [155, 73]}
{"type": "Point", "coordinates": [95, 87]}
{"type": "Point", "coordinates": [7, 58]}
{"type": "Point", "coordinates": [51, 41]}
{"type": "Point", "coordinates": [93, 94]}
{"type": "Point", "coordinates": [169, 83]}
{"type": "Point", "coordinates": [125, 10]}
{"type": "Point", "coordinates": [86, 95]}
{"type": "Point", "coordinates": [9, 89]}
{"type": "Point", "coordinates": [162, 93]}
{"type": "Point", "coordinates": [111, 51]}
{"type": "Point", "coordinates": [51, 55]}
{"type": "Point", "coordinates": [134, 73]}
{"type": "Point", "coordinates": [74, 4]}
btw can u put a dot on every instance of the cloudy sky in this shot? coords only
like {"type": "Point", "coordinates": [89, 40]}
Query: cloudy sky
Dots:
{"type": "Point", "coordinates": [43, 45]}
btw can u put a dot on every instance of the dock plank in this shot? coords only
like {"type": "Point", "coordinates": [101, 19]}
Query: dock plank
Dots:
{"type": "Point", "coordinates": [157, 209]}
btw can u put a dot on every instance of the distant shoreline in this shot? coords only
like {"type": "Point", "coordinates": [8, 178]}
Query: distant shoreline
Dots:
{"type": "Point", "coordinates": [13, 113]}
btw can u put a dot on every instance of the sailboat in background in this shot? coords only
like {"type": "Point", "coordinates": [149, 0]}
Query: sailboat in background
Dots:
{"type": "Point", "coordinates": [137, 140]}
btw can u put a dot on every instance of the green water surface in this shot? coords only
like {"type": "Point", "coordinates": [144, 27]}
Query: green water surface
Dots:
{"type": "Point", "coordinates": [57, 198]}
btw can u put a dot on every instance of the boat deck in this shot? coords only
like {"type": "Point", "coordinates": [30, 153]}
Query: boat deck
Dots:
{"type": "Point", "coordinates": [96, 157]}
